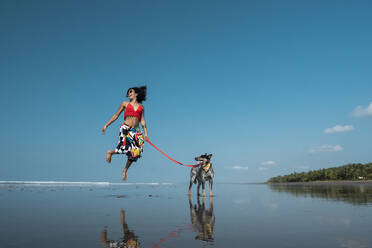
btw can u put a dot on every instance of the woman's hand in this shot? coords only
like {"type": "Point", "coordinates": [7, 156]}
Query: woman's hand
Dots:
{"type": "Point", "coordinates": [104, 129]}
{"type": "Point", "coordinates": [146, 137]}
{"type": "Point", "coordinates": [115, 116]}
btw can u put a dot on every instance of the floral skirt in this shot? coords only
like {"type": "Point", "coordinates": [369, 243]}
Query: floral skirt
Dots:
{"type": "Point", "coordinates": [130, 143]}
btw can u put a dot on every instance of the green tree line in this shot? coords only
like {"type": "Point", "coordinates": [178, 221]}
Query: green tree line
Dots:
{"type": "Point", "coordinates": [345, 172]}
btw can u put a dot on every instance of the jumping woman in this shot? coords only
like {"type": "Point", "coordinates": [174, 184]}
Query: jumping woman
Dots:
{"type": "Point", "coordinates": [131, 139]}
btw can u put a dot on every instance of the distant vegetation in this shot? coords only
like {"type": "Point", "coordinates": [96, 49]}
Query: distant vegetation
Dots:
{"type": "Point", "coordinates": [346, 172]}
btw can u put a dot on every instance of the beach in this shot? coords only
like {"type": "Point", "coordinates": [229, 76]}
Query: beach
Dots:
{"type": "Point", "coordinates": [162, 215]}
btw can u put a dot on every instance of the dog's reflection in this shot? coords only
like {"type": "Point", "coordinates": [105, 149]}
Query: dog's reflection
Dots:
{"type": "Point", "coordinates": [130, 240]}
{"type": "Point", "coordinates": [202, 219]}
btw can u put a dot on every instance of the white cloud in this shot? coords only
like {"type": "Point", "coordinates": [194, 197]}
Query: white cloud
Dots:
{"type": "Point", "coordinates": [339, 129]}
{"type": "Point", "coordinates": [239, 167]}
{"type": "Point", "coordinates": [262, 168]}
{"type": "Point", "coordinates": [269, 163]}
{"type": "Point", "coordinates": [326, 148]}
{"type": "Point", "coordinates": [360, 111]}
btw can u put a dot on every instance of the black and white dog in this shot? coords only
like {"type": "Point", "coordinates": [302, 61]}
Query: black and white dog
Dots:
{"type": "Point", "coordinates": [204, 172]}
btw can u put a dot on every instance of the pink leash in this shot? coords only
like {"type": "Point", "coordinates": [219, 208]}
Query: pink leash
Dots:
{"type": "Point", "coordinates": [188, 165]}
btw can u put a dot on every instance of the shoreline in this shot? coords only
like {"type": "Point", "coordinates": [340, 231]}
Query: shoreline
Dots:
{"type": "Point", "coordinates": [326, 182]}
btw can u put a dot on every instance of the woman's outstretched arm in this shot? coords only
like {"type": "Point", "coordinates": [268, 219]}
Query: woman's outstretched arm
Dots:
{"type": "Point", "coordinates": [115, 116]}
{"type": "Point", "coordinates": [143, 124]}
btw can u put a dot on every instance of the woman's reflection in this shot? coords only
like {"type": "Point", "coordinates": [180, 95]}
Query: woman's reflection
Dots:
{"type": "Point", "coordinates": [202, 219]}
{"type": "Point", "coordinates": [130, 240]}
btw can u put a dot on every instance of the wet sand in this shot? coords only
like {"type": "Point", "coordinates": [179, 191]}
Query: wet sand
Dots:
{"type": "Point", "coordinates": [240, 215]}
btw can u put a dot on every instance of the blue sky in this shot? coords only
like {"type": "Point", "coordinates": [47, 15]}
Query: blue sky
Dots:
{"type": "Point", "coordinates": [256, 83]}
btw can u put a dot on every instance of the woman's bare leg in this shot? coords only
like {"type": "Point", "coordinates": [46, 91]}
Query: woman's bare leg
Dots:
{"type": "Point", "coordinates": [108, 155]}
{"type": "Point", "coordinates": [129, 162]}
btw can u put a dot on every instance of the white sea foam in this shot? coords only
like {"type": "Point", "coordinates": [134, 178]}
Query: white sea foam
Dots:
{"type": "Point", "coordinates": [56, 183]}
{"type": "Point", "coordinates": [141, 183]}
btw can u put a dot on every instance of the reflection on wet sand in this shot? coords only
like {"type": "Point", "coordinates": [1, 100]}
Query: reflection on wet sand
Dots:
{"type": "Point", "coordinates": [129, 240]}
{"type": "Point", "coordinates": [356, 194]}
{"type": "Point", "coordinates": [202, 219]}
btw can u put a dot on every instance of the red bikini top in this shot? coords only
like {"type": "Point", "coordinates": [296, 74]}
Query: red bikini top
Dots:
{"type": "Point", "coordinates": [129, 111]}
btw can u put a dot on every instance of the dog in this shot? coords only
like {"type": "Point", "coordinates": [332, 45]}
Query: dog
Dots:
{"type": "Point", "coordinates": [202, 173]}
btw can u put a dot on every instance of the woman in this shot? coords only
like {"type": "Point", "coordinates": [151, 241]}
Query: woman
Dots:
{"type": "Point", "coordinates": [131, 139]}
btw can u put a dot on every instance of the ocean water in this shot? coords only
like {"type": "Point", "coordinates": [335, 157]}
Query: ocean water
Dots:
{"type": "Point", "coordinates": [82, 214]}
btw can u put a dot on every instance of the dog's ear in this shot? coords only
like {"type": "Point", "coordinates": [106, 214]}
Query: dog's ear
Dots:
{"type": "Point", "coordinates": [209, 156]}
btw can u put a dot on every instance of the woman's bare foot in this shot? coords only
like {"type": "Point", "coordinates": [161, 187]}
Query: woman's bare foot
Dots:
{"type": "Point", "coordinates": [108, 156]}
{"type": "Point", "coordinates": [124, 176]}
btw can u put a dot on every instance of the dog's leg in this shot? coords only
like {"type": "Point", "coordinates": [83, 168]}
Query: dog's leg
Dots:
{"type": "Point", "coordinates": [190, 188]}
{"type": "Point", "coordinates": [210, 187]}
{"type": "Point", "coordinates": [211, 204]}
{"type": "Point", "coordinates": [203, 186]}
{"type": "Point", "coordinates": [198, 188]}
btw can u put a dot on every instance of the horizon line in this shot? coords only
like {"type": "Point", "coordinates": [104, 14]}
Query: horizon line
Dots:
{"type": "Point", "coordinates": [81, 183]}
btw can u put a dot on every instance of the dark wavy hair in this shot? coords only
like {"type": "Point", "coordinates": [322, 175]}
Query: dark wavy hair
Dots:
{"type": "Point", "coordinates": [141, 93]}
